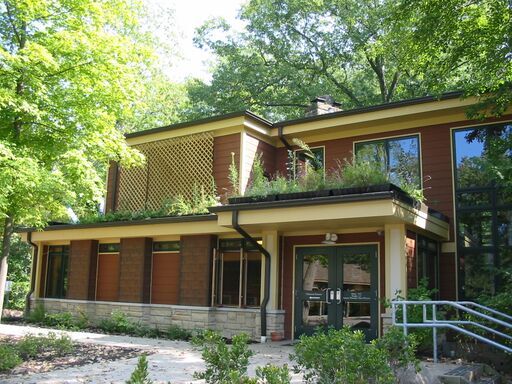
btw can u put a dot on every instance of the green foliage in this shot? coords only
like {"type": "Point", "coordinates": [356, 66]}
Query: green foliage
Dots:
{"type": "Point", "coordinates": [66, 320]}
{"type": "Point", "coordinates": [175, 332]}
{"type": "Point", "coordinates": [234, 177]}
{"type": "Point", "coordinates": [140, 375]}
{"type": "Point", "coordinates": [19, 272]}
{"type": "Point", "coordinates": [271, 374]}
{"type": "Point", "coordinates": [224, 364]}
{"type": "Point", "coordinates": [357, 173]}
{"type": "Point", "coordinates": [37, 315]}
{"type": "Point", "coordinates": [400, 350]}
{"type": "Point", "coordinates": [341, 356]}
{"type": "Point", "coordinates": [31, 346]}
{"type": "Point", "coordinates": [9, 357]}
{"type": "Point", "coordinates": [118, 322]}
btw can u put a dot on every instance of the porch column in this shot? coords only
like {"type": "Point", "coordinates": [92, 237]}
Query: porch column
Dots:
{"type": "Point", "coordinates": [396, 260]}
{"type": "Point", "coordinates": [271, 244]}
{"type": "Point", "coordinates": [38, 271]}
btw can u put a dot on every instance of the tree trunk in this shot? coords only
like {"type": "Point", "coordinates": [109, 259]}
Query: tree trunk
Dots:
{"type": "Point", "coordinates": [6, 248]}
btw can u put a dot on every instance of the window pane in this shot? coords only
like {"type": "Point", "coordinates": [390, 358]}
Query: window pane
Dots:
{"type": "Point", "coordinates": [479, 272]}
{"type": "Point", "coordinates": [302, 161]}
{"type": "Point", "coordinates": [404, 163]}
{"type": "Point", "coordinates": [475, 228]}
{"type": "Point", "coordinates": [109, 248]}
{"type": "Point", "coordinates": [253, 283]}
{"type": "Point", "coordinates": [473, 199]}
{"type": "Point", "coordinates": [230, 279]}
{"type": "Point", "coordinates": [166, 246]}
{"type": "Point", "coordinates": [504, 219]}
{"type": "Point", "coordinates": [373, 152]}
{"type": "Point", "coordinates": [57, 276]}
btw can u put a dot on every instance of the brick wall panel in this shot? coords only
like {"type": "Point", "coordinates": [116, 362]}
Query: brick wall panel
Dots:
{"type": "Point", "coordinates": [135, 270]}
{"type": "Point", "coordinates": [79, 265]}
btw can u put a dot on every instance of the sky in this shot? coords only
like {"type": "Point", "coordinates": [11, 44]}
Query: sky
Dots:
{"type": "Point", "coordinates": [189, 15]}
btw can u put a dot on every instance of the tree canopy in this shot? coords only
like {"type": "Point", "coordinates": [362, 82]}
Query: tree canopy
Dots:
{"type": "Point", "coordinates": [70, 71]}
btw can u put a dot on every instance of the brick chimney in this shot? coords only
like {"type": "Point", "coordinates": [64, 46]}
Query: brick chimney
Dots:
{"type": "Point", "coordinates": [322, 105]}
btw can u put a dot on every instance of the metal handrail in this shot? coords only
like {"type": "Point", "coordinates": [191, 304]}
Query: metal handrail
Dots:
{"type": "Point", "coordinates": [434, 323]}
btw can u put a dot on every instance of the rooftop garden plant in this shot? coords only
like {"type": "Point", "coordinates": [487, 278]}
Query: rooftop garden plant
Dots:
{"type": "Point", "coordinates": [357, 172]}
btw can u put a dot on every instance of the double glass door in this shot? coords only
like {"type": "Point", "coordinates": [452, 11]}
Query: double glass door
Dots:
{"type": "Point", "coordinates": [336, 286]}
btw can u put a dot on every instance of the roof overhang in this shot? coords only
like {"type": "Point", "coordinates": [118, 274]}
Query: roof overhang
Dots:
{"type": "Point", "coordinates": [334, 213]}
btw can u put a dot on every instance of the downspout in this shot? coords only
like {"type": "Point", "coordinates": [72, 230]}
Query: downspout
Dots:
{"type": "Point", "coordinates": [266, 294]}
{"type": "Point", "coordinates": [32, 272]}
{"type": "Point", "coordinates": [283, 139]}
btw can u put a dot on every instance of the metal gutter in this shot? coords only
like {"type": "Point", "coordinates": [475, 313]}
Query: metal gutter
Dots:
{"type": "Point", "coordinates": [151, 221]}
{"type": "Point", "coordinates": [266, 290]}
{"type": "Point", "coordinates": [32, 273]}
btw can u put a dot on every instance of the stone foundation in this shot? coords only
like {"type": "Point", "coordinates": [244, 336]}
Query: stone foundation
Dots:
{"type": "Point", "coordinates": [228, 321]}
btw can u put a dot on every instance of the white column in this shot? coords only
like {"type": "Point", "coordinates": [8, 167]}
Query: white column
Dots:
{"type": "Point", "coordinates": [271, 244]}
{"type": "Point", "coordinates": [396, 260]}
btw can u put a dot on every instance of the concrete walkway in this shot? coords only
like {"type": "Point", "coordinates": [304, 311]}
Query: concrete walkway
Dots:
{"type": "Point", "coordinates": [170, 361]}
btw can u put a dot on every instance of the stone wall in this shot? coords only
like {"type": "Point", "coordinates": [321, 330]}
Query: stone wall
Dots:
{"type": "Point", "coordinates": [228, 321]}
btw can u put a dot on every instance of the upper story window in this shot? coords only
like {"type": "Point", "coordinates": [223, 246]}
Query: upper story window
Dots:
{"type": "Point", "coordinates": [57, 273]}
{"type": "Point", "coordinates": [302, 160]}
{"type": "Point", "coordinates": [397, 156]}
{"type": "Point", "coordinates": [483, 208]}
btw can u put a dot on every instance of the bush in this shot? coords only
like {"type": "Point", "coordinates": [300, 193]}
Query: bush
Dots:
{"type": "Point", "coordinates": [66, 320]}
{"type": "Point", "coordinates": [140, 375]}
{"type": "Point", "coordinates": [9, 357]}
{"type": "Point", "coordinates": [341, 356]}
{"type": "Point", "coordinates": [270, 374]}
{"type": "Point", "coordinates": [118, 322]}
{"type": "Point", "coordinates": [18, 294]}
{"type": "Point", "coordinates": [175, 332]}
{"type": "Point", "coordinates": [223, 364]}
{"type": "Point", "coordinates": [31, 346]}
{"type": "Point", "coordinates": [37, 315]}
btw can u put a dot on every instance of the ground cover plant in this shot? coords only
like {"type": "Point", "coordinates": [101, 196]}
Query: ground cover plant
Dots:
{"type": "Point", "coordinates": [140, 375]}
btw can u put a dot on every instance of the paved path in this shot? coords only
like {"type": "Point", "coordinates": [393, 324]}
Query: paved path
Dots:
{"type": "Point", "coordinates": [171, 361]}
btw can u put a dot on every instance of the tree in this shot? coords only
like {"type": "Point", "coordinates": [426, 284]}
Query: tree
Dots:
{"type": "Point", "coordinates": [295, 50]}
{"type": "Point", "coordinates": [69, 71]}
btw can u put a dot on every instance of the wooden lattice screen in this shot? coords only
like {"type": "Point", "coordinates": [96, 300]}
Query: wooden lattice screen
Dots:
{"type": "Point", "coordinates": [173, 167]}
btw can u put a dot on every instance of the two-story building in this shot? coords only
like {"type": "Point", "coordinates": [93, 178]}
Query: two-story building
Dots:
{"type": "Point", "coordinates": [288, 265]}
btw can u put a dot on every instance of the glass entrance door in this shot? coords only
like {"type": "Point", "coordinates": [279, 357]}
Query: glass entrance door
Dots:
{"type": "Point", "coordinates": [336, 286]}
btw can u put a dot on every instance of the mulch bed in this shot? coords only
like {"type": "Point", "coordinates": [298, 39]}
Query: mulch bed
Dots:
{"type": "Point", "coordinates": [83, 354]}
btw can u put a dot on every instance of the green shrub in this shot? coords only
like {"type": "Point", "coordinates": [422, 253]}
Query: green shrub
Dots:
{"type": "Point", "coordinates": [66, 320]}
{"type": "Point", "coordinates": [224, 364]}
{"type": "Point", "coordinates": [400, 350]}
{"type": "Point", "coordinates": [175, 332]}
{"type": "Point", "coordinates": [118, 322]}
{"type": "Point", "coordinates": [271, 374]}
{"type": "Point", "coordinates": [31, 346]}
{"type": "Point", "coordinates": [18, 295]}
{"type": "Point", "coordinates": [9, 357]}
{"type": "Point", "coordinates": [37, 315]}
{"type": "Point", "coordinates": [341, 356]}
{"type": "Point", "coordinates": [140, 375]}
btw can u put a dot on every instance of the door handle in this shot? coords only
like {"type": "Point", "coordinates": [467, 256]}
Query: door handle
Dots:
{"type": "Point", "coordinates": [338, 295]}
{"type": "Point", "coordinates": [329, 295]}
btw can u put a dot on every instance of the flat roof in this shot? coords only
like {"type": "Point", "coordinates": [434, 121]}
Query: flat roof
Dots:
{"type": "Point", "coordinates": [284, 123]}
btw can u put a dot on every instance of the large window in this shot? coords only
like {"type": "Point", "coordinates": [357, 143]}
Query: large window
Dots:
{"type": "Point", "coordinates": [399, 157]}
{"type": "Point", "coordinates": [57, 273]}
{"type": "Point", "coordinates": [483, 207]}
{"type": "Point", "coordinates": [237, 274]}
{"type": "Point", "coordinates": [428, 261]}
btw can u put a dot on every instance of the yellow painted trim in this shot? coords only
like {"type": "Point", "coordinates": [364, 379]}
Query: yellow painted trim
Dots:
{"type": "Point", "coordinates": [125, 231]}
{"type": "Point", "coordinates": [372, 116]}
{"type": "Point", "coordinates": [39, 266]}
{"type": "Point", "coordinates": [241, 165]}
{"type": "Point", "coordinates": [390, 252]}
{"type": "Point", "coordinates": [220, 128]}
{"type": "Point", "coordinates": [112, 240]}
{"type": "Point", "coordinates": [334, 230]}
{"type": "Point", "coordinates": [450, 247]}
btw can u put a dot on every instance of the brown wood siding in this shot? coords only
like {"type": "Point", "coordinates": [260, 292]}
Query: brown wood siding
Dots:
{"type": "Point", "coordinates": [410, 248]}
{"type": "Point", "coordinates": [93, 270]}
{"type": "Point", "coordinates": [112, 180]}
{"type": "Point", "coordinates": [447, 280]}
{"type": "Point", "coordinates": [108, 277]}
{"type": "Point", "coordinates": [165, 280]}
{"type": "Point", "coordinates": [44, 265]}
{"type": "Point", "coordinates": [223, 147]}
{"type": "Point", "coordinates": [255, 146]}
{"type": "Point", "coordinates": [288, 265]}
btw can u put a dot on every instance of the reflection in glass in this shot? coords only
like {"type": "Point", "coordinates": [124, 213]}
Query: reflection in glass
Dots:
{"type": "Point", "coordinates": [356, 314]}
{"type": "Point", "coordinates": [57, 276]}
{"type": "Point", "coordinates": [315, 280]}
{"type": "Point", "coordinates": [230, 279]}
{"type": "Point", "coordinates": [356, 272]}
{"type": "Point", "coordinates": [479, 273]}
{"type": "Point", "coordinates": [504, 223]}
{"type": "Point", "coordinates": [475, 228]}
{"type": "Point", "coordinates": [473, 199]}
